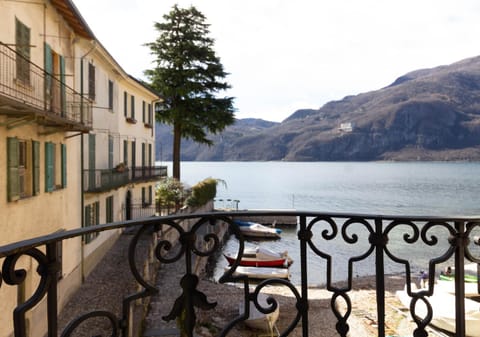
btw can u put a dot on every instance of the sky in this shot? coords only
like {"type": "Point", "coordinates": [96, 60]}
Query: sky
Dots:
{"type": "Point", "coordinates": [284, 55]}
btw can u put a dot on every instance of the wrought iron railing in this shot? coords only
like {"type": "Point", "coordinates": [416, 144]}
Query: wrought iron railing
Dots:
{"type": "Point", "coordinates": [23, 83]}
{"type": "Point", "coordinates": [107, 179]}
{"type": "Point", "coordinates": [370, 236]}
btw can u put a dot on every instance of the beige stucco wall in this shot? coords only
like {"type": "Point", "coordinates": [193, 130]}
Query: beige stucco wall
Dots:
{"type": "Point", "coordinates": [60, 210]}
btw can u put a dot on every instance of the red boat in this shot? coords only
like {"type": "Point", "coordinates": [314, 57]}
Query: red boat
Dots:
{"type": "Point", "coordinates": [261, 257]}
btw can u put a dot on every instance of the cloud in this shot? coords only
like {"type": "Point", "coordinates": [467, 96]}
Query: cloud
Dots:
{"type": "Point", "coordinates": [281, 53]}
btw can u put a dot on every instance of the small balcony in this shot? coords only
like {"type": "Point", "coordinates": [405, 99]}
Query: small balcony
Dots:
{"type": "Point", "coordinates": [28, 94]}
{"type": "Point", "coordinates": [96, 181]}
{"type": "Point", "coordinates": [184, 240]}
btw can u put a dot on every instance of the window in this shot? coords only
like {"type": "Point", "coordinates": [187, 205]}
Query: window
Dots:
{"type": "Point", "coordinates": [110, 95]}
{"type": "Point", "coordinates": [129, 115]}
{"type": "Point", "coordinates": [91, 219]}
{"type": "Point", "coordinates": [150, 151]}
{"type": "Point", "coordinates": [125, 152]}
{"type": "Point", "coordinates": [125, 104]}
{"type": "Point", "coordinates": [148, 116]}
{"type": "Point", "coordinates": [144, 117]}
{"type": "Point", "coordinates": [146, 196]}
{"type": "Point", "coordinates": [23, 168]}
{"type": "Point", "coordinates": [55, 166]}
{"type": "Point", "coordinates": [91, 81]}
{"type": "Point", "coordinates": [49, 167]}
{"type": "Point", "coordinates": [22, 43]}
{"type": "Point", "coordinates": [109, 209]}
{"type": "Point", "coordinates": [110, 152]}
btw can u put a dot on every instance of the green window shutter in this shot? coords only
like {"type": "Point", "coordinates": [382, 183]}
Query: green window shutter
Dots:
{"type": "Point", "coordinates": [150, 164]}
{"type": "Point", "coordinates": [91, 81]}
{"type": "Point", "coordinates": [49, 166]}
{"type": "Point", "coordinates": [150, 190]}
{"type": "Point", "coordinates": [97, 213]}
{"type": "Point", "coordinates": [63, 92]}
{"type": "Point", "coordinates": [87, 223]}
{"type": "Point", "coordinates": [143, 197]}
{"type": "Point", "coordinates": [64, 165]}
{"type": "Point", "coordinates": [13, 184]}
{"type": "Point", "coordinates": [36, 167]}
{"type": "Point", "coordinates": [91, 161]}
{"type": "Point", "coordinates": [110, 152]}
{"type": "Point", "coordinates": [110, 95]}
{"type": "Point", "coordinates": [133, 106]}
{"type": "Point", "coordinates": [49, 70]}
{"type": "Point", "coordinates": [150, 114]}
{"type": "Point", "coordinates": [109, 209]}
{"type": "Point", "coordinates": [134, 154]}
{"type": "Point", "coordinates": [144, 157]}
{"type": "Point", "coordinates": [22, 42]}
{"type": "Point", "coordinates": [125, 152]}
{"type": "Point", "coordinates": [143, 112]}
{"type": "Point", "coordinates": [125, 104]}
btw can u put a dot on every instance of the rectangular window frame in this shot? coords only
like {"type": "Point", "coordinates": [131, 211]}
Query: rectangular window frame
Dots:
{"type": "Point", "coordinates": [91, 81]}
{"type": "Point", "coordinates": [92, 218]}
{"type": "Point", "coordinates": [110, 95]}
{"type": "Point", "coordinates": [109, 214]}
{"type": "Point", "coordinates": [22, 45]}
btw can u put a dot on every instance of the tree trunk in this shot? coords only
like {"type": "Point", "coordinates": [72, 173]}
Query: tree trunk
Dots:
{"type": "Point", "coordinates": [177, 138]}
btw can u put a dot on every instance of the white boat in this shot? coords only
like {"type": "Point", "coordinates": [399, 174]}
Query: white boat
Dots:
{"type": "Point", "coordinates": [471, 288]}
{"type": "Point", "coordinates": [260, 257]}
{"type": "Point", "coordinates": [261, 272]}
{"type": "Point", "coordinates": [256, 230]}
{"type": "Point", "coordinates": [258, 320]}
{"type": "Point", "coordinates": [443, 306]}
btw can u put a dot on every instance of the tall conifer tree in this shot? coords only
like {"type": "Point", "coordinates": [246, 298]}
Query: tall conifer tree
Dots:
{"type": "Point", "coordinates": [189, 76]}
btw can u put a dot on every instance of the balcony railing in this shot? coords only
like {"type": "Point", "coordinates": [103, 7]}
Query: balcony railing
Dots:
{"type": "Point", "coordinates": [28, 91]}
{"type": "Point", "coordinates": [372, 236]}
{"type": "Point", "coordinates": [107, 179]}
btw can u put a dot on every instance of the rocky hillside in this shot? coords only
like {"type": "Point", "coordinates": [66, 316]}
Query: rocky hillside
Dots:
{"type": "Point", "coordinates": [428, 114]}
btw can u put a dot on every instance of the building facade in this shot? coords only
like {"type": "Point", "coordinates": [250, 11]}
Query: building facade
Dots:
{"type": "Point", "coordinates": [76, 143]}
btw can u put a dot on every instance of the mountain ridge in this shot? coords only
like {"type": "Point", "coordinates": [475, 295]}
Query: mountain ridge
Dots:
{"type": "Point", "coordinates": [426, 114]}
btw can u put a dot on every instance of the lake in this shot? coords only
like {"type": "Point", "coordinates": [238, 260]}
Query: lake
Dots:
{"type": "Point", "coordinates": [389, 188]}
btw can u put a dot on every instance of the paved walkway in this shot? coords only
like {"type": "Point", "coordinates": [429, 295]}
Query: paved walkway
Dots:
{"type": "Point", "coordinates": [168, 280]}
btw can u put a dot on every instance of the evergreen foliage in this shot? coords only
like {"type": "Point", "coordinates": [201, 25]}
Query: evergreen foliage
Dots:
{"type": "Point", "coordinates": [189, 76]}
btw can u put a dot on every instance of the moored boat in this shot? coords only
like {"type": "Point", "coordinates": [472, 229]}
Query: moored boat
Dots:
{"type": "Point", "coordinates": [260, 257]}
{"type": "Point", "coordinates": [256, 230]}
{"type": "Point", "coordinates": [261, 273]}
{"type": "Point", "coordinates": [443, 305]}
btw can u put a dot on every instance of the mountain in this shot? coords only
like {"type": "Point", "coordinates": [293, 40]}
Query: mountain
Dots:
{"type": "Point", "coordinates": [427, 114]}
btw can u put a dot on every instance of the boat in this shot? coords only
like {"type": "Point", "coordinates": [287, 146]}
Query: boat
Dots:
{"type": "Point", "coordinates": [261, 257]}
{"type": "Point", "coordinates": [468, 278]}
{"type": "Point", "coordinates": [443, 306]}
{"type": "Point", "coordinates": [261, 273]}
{"type": "Point", "coordinates": [258, 320]}
{"type": "Point", "coordinates": [447, 283]}
{"type": "Point", "coordinates": [256, 230]}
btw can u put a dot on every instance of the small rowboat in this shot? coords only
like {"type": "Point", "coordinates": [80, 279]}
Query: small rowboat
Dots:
{"type": "Point", "coordinates": [261, 273]}
{"type": "Point", "coordinates": [256, 230]}
{"type": "Point", "coordinates": [261, 257]}
{"type": "Point", "coordinates": [468, 278]}
{"type": "Point", "coordinates": [443, 305]}
{"type": "Point", "coordinates": [447, 284]}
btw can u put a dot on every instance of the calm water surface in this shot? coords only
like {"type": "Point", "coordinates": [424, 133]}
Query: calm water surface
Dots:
{"type": "Point", "coordinates": [425, 188]}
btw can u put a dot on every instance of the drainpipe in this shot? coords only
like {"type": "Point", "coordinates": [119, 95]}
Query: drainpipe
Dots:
{"type": "Point", "coordinates": [82, 160]}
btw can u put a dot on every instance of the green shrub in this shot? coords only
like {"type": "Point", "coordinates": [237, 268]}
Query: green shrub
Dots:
{"type": "Point", "coordinates": [203, 192]}
{"type": "Point", "coordinates": [169, 192]}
